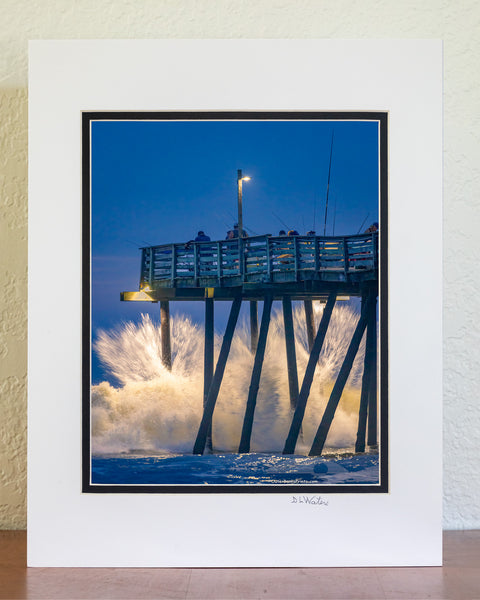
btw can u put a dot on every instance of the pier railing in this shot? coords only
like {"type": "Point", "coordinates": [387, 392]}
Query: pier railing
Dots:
{"type": "Point", "coordinates": [260, 259]}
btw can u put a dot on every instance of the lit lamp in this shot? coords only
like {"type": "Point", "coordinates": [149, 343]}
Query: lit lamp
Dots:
{"type": "Point", "coordinates": [240, 216]}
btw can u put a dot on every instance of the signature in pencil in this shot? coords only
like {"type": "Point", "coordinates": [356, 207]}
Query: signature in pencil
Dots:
{"type": "Point", "coordinates": [316, 500]}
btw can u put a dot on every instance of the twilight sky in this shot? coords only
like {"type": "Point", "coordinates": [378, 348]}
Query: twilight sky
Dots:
{"type": "Point", "coordinates": [156, 182]}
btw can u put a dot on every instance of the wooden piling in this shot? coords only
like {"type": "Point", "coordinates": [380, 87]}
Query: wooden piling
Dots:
{"type": "Point", "coordinates": [291, 353]}
{"type": "Point", "coordinates": [253, 326]}
{"type": "Point", "coordinates": [324, 427]}
{"type": "Point", "coordinates": [208, 358]}
{"type": "Point", "coordinates": [310, 322]}
{"type": "Point", "coordinates": [364, 396]}
{"type": "Point", "coordinates": [205, 425]}
{"type": "Point", "coordinates": [372, 436]}
{"type": "Point", "coordinates": [255, 381]}
{"type": "Point", "coordinates": [165, 334]}
{"type": "Point", "coordinates": [292, 437]}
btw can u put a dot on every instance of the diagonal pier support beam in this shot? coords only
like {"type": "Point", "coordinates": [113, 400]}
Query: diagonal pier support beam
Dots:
{"type": "Point", "coordinates": [291, 353]}
{"type": "Point", "coordinates": [253, 326]}
{"type": "Point", "coordinates": [372, 435]}
{"type": "Point", "coordinates": [208, 358]}
{"type": "Point", "coordinates": [165, 334]}
{"type": "Point", "coordinates": [368, 369]}
{"type": "Point", "coordinates": [324, 427]}
{"type": "Point", "coordinates": [255, 381]}
{"type": "Point", "coordinates": [310, 322]}
{"type": "Point", "coordinates": [292, 437]}
{"type": "Point", "coordinates": [206, 423]}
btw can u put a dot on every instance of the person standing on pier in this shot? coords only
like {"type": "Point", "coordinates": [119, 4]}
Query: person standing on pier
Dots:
{"type": "Point", "coordinates": [373, 227]}
{"type": "Point", "coordinates": [235, 231]}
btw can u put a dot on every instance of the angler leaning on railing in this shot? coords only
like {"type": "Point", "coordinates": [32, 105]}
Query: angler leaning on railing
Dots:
{"type": "Point", "coordinates": [264, 258]}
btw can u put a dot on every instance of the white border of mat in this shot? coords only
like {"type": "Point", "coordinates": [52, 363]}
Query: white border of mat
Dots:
{"type": "Point", "coordinates": [68, 528]}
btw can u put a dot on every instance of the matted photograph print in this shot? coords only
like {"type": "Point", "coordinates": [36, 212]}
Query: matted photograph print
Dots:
{"type": "Point", "coordinates": [235, 302]}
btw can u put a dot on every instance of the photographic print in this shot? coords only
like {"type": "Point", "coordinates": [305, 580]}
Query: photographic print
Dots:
{"type": "Point", "coordinates": [235, 302]}
{"type": "Point", "coordinates": [196, 420]}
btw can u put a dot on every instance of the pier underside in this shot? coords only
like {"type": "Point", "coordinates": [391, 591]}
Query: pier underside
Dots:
{"type": "Point", "coordinates": [268, 269]}
{"type": "Point", "coordinates": [301, 290]}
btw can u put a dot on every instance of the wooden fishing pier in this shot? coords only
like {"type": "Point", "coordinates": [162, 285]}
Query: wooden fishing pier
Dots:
{"type": "Point", "coordinates": [268, 268]}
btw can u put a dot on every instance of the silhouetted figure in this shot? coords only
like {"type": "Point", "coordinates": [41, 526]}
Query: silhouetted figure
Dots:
{"type": "Point", "coordinates": [235, 232]}
{"type": "Point", "coordinates": [201, 237]}
{"type": "Point", "coordinates": [310, 233]}
{"type": "Point", "coordinates": [292, 232]}
{"type": "Point", "coordinates": [373, 227]}
{"type": "Point", "coordinates": [282, 232]}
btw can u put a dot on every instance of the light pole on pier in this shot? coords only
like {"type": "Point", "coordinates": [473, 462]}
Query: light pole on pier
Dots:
{"type": "Point", "coordinates": [240, 179]}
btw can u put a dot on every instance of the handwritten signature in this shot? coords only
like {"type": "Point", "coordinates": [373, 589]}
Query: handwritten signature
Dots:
{"type": "Point", "coordinates": [317, 500]}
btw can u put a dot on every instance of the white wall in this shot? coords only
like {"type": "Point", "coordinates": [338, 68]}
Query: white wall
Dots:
{"type": "Point", "coordinates": [457, 23]}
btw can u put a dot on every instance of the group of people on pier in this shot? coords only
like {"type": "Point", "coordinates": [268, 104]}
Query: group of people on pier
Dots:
{"type": "Point", "coordinates": [234, 233]}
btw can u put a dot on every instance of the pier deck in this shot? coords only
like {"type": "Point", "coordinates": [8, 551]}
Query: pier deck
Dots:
{"type": "Point", "coordinates": [304, 267]}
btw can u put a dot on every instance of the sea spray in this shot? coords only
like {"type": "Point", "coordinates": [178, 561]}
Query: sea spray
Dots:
{"type": "Point", "coordinates": [157, 411]}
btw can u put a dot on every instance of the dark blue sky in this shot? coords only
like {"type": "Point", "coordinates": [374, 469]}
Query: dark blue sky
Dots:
{"type": "Point", "coordinates": [156, 182]}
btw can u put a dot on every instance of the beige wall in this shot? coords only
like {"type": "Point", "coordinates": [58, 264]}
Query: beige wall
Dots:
{"type": "Point", "coordinates": [456, 22]}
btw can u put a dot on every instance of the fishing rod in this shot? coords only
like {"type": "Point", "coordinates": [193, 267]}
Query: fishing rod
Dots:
{"type": "Point", "coordinates": [282, 222]}
{"type": "Point", "coordinates": [334, 214]}
{"type": "Point", "coordinates": [251, 230]}
{"type": "Point", "coordinates": [225, 220]}
{"type": "Point", "coordinates": [244, 227]}
{"type": "Point", "coordinates": [328, 186]}
{"type": "Point", "coordinates": [247, 228]}
{"type": "Point", "coordinates": [363, 223]}
{"type": "Point", "coordinates": [314, 211]}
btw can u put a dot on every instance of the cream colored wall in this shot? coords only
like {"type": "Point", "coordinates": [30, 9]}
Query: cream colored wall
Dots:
{"type": "Point", "coordinates": [457, 22]}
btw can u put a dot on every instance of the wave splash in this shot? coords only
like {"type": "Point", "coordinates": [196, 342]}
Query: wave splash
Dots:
{"type": "Point", "coordinates": [157, 411]}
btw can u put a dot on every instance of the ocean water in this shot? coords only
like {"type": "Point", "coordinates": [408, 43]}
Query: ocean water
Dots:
{"type": "Point", "coordinates": [143, 428]}
{"type": "Point", "coordinates": [235, 469]}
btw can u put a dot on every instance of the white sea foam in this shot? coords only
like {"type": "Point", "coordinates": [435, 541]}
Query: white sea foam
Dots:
{"type": "Point", "coordinates": [155, 410]}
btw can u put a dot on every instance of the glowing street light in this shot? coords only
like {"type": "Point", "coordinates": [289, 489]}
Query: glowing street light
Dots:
{"type": "Point", "coordinates": [240, 179]}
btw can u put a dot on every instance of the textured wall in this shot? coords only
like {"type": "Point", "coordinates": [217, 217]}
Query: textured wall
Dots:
{"type": "Point", "coordinates": [456, 22]}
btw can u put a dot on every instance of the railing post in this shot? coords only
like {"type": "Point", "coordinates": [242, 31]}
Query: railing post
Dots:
{"type": "Point", "coordinates": [174, 260]}
{"type": "Point", "coordinates": [317, 255]}
{"type": "Point", "coordinates": [269, 259]}
{"type": "Point", "coordinates": [151, 267]}
{"type": "Point", "coordinates": [219, 263]}
{"type": "Point", "coordinates": [241, 264]}
{"type": "Point", "coordinates": [295, 254]}
{"type": "Point", "coordinates": [195, 263]}
{"type": "Point", "coordinates": [345, 258]}
{"type": "Point", "coordinates": [142, 268]}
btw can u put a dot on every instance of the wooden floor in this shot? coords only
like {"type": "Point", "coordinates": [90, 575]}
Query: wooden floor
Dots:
{"type": "Point", "coordinates": [458, 578]}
